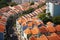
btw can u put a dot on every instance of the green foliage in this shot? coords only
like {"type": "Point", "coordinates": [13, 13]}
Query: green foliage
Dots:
{"type": "Point", "coordinates": [12, 4]}
{"type": "Point", "coordinates": [43, 17]}
{"type": "Point", "coordinates": [56, 20]}
{"type": "Point", "coordinates": [28, 36]}
{"type": "Point", "coordinates": [3, 5]}
{"type": "Point", "coordinates": [48, 14]}
{"type": "Point", "coordinates": [44, 11]}
{"type": "Point", "coordinates": [32, 3]}
{"type": "Point", "coordinates": [28, 11]}
{"type": "Point", "coordinates": [46, 17]}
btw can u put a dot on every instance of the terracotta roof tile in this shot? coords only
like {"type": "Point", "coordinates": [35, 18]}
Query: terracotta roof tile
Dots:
{"type": "Point", "coordinates": [5, 9]}
{"type": "Point", "coordinates": [43, 29]}
{"type": "Point", "coordinates": [51, 28]}
{"type": "Point", "coordinates": [2, 28]}
{"type": "Point", "coordinates": [0, 16]}
{"type": "Point", "coordinates": [11, 12]}
{"type": "Point", "coordinates": [53, 37]}
{"type": "Point", "coordinates": [19, 21]}
{"type": "Point", "coordinates": [17, 7]}
{"type": "Point", "coordinates": [50, 23]}
{"type": "Point", "coordinates": [23, 24]}
{"type": "Point", "coordinates": [35, 30]}
{"type": "Point", "coordinates": [30, 24]}
{"type": "Point", "coordinates": [28, 15]}
{"type": "Point", "coordinates": [43, 37]}
{"type": "Point", "coordinates": [40, 9]}
{"type": "Point", "coordinates": [57, 27]}
{"type": "Point", "coordinates": [23, 20]}
{"type": "Point", "coordinates": [27, 31]}
{"type": "Point", "coordinates": [33, 38]}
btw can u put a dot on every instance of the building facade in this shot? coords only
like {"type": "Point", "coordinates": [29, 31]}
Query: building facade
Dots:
{"type": "Point", "coordinates": [53, 7]}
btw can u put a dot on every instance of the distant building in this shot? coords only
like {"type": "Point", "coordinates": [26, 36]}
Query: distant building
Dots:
{"type": "Point", "coordinates": [53, 7]}
{"type": "Point", "coordinates": [23, 1]}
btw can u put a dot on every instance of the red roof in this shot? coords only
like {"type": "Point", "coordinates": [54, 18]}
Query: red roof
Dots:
{"type": "Point", "coordinates": [43, 37]}
{"type": "Point", "coordinates": [27, 31]}
{"type": "Point", "coordinates": [32, 38]}
{"type": "Point", "coordinates": [43, 29]}
{"type": "Point", "coordinates": [57, 27]}
{"type": "Point", "coordinates": [35, 30]}
{"type": "Point", "coordinates": [0, 17]}
{"type": "Point", "coordinates": [17, 7]}
{"type": "Point", "coordinates": [2, 28]}
{"type": "Point", "coordinates": [5, 9]}
{"type": "Point", "coordinates": [53, 36]}
{"type": "Point", "coordinates": [51, 28]}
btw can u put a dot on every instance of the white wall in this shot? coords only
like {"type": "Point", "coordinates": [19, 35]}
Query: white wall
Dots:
{"type": "Point", "coordinates": [51, 8]}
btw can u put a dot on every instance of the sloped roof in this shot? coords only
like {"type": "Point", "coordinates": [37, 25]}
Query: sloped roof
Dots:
{"type": "Point", "coordinates": [27, 31]}
{"type": "Point", "coordinates": [53, 36]}
{"type": "Point", "coordinates": [2, 27]}
{"type": "Point", "coordinates": [35, 30]}
{"type": "Point", "coordinates": [51, 28]}
{"type": "Point", "coordinates": [43, 37]}
{"type": "Point", "coordinates": [57, 27]}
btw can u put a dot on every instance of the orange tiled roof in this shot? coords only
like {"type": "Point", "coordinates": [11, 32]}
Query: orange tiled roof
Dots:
{"type": "Point", "coordinates": [35, 30]}
{"type": "Point", "coordinates": [17, 7]}
{"type": "Point", "coordinates": [51, 28]}
{"type": "Point", "coordinates": [23, 24]}
{"type": "Point", "coordinates": [43, 37]}
{"type": "Point", "coordinates": [2, 28]}
{"type": "Point", "coordinates": [19, 21]}
{"type": "Point", "coordinates": [23, 20]}
{"type": "Point", "coordinates": [43, 29]}
{"type": "Point", "coordinates": [32, 38]}
{"type": "Point", "coordinates": [57, 27]}
{"type": "Point", "coordinates": [49, 23]}
{"type": "Point", "coordinates": [53, 37]}
{"type": "Point", "coordinates": [27, 31]}
{"type": "Point", "coordinates": [37, 23]}
{"type": "Point", "coordinates": [5, 9]}
{"type": "Point", "coordinates": [30, 24]}
{"type": "Point", "coordinates": [0, 17]}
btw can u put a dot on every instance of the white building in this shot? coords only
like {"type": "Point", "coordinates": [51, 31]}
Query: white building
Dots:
{"type": "Point", "coordinates": [53, 7]}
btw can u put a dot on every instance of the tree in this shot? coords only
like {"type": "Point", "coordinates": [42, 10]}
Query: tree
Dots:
{"type": "Point", "coordinates": [3, 3]}
{"type": "Point", "coordinates": [44, 18]}
{"type": "Point", "coordinates": [56, 19]}
{"type": "Point", "coordinates": [28, 11]}
{"type": "Point", "coordinates": [12, 4]}
{"type": "Point", "coordinates": [41, 16]}
{"type": "Point", "coordinates": [32, 3]}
